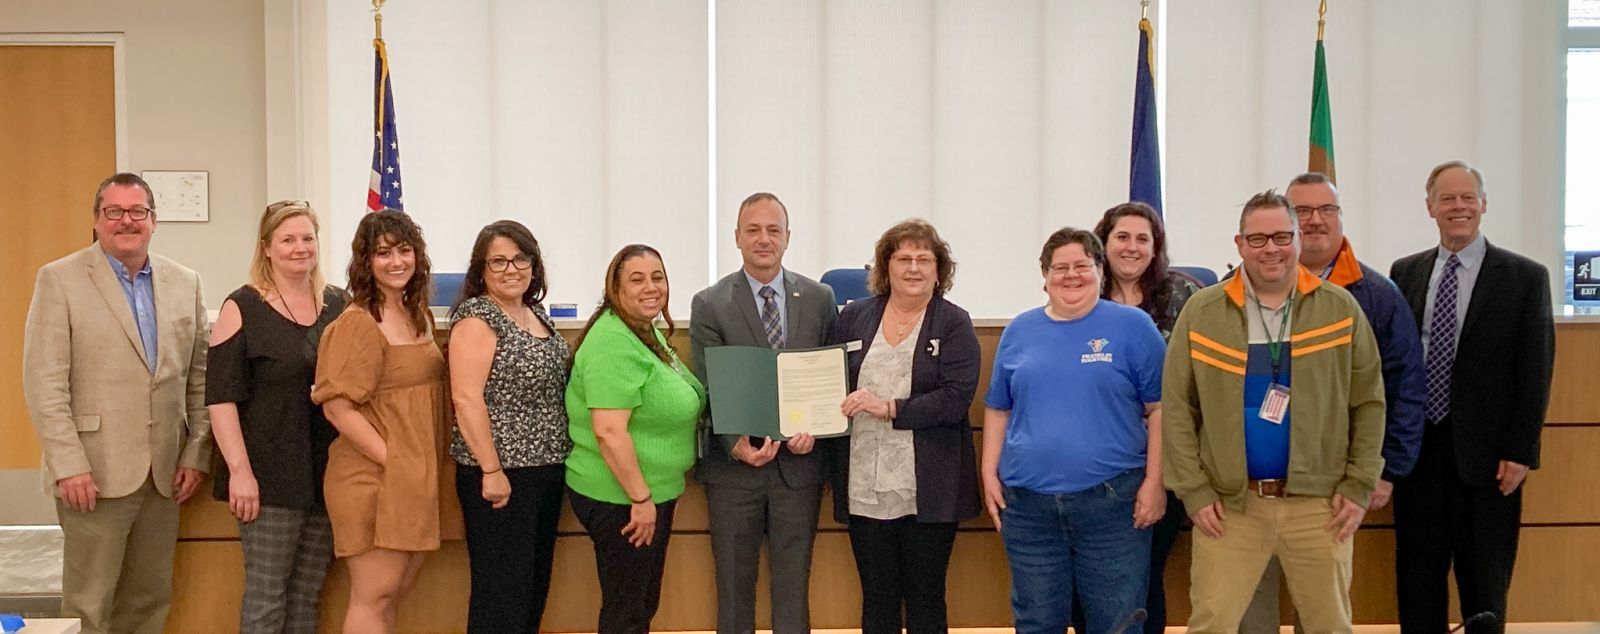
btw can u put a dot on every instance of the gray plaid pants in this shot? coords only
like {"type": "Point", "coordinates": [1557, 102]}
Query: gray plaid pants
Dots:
{"type": "Point", "coordinates": [286, 557]}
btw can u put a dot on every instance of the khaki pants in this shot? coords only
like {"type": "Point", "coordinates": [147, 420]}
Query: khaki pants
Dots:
{"type": "Point", "coordinates": [117, 568]}
{"type": "Point", "coordinates": [1227, 571]}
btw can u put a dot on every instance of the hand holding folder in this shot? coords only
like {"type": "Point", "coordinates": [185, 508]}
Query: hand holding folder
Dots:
{"type": "Point", "coordinates": [761, 392]}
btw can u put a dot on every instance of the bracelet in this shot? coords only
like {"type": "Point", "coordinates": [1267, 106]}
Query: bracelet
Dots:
{"type": "Point", "coordinates": [496, 470]}
{"type": "Point", "coordinates": [643, 501]}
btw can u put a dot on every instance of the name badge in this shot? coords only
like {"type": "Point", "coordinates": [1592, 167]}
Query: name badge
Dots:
{"type": "Point", "coordinates": [1275, 405]}
{"type": "Point", "coordinates": [853, 346]}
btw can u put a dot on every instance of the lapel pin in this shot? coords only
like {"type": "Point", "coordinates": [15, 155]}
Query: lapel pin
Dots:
{"type": "Point", "coordinates": [933, 347]}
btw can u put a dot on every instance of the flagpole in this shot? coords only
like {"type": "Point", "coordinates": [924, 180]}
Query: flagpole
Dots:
{"type": "Point", "coordinates": [378, 20]}
{"type": "Point", "coordinates": [1144, 9]}
{"type": "Point", "coordinates": [1322, 17]}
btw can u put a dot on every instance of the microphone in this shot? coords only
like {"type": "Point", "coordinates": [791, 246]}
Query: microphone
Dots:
{"type": "Point", "coordinates": [1139, 615]}
{"type": "Point", "coordinates": [1486, 617]}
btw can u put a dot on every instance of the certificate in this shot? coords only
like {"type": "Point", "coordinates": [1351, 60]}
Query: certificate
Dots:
{"type": "Point", "coordinates": [770, 393]}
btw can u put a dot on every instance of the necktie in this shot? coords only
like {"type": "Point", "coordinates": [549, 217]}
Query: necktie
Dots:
{"type": "Point", "coordinates": [1442, 342]}
{"type": "Point", "coordinates": [769, 317]}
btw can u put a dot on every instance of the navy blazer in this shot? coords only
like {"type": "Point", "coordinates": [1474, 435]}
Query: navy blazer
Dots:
{"type": "Point", "coordinates": [1500, 381]}
{"type": "Point", "coordinates": [944, 378]}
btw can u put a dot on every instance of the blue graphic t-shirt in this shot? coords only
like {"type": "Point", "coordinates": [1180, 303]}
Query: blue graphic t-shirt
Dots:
{"type": "Point", "coordinates": [1076, 390]}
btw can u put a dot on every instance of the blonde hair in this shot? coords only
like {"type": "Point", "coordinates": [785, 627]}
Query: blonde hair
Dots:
{"type": "Point", "coordinates": [261, 266]}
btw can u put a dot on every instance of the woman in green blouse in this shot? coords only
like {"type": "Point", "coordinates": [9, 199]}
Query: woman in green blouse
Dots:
{"type": "Point", "coordinates": [632, 406]}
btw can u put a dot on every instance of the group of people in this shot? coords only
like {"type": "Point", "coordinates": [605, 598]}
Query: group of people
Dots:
{"type": "Point", "coordinates": [1131, 403]}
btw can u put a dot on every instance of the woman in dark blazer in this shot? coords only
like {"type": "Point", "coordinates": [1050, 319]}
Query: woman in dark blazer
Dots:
{"type": "Point", "coordinates": [907, 473]}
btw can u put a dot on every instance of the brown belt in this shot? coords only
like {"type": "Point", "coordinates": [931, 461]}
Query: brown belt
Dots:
{"type": "Point", "coordinates": [1269, 488]}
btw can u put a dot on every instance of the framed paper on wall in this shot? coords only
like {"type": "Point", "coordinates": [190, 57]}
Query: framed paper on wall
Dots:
{"type": "Point", "coordinates": [180, 196]}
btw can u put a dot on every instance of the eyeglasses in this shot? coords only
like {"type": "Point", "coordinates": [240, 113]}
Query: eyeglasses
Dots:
{"type": "Point", "coordinates": [1304, 212]}
{"type": "Point", "coordinates": [1081, 268]}
{"type": "Point", "coordinates": [919, 262]}
{"type": "Point", "coordinates": [134, 213]}
{"type": "Point", "coordinates": [1258, 240]}
{"type": "Point", "coordinates": [499, 264]}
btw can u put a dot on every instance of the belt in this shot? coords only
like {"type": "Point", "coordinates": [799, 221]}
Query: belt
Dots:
{"type": "Point", "coordinates": [1270, 488]}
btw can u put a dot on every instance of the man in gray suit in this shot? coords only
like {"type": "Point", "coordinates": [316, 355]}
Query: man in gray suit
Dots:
{"type": "Point", "coordinates": [758, 486]}
{"type": "Point", "coordinates": [114, 374]}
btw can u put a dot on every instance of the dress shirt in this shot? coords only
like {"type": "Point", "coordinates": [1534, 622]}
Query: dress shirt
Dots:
{"type": "Point", "coordinates": [782, 297]}
{"type": "Point", "coordinates": [1471, 258]}
{"type": "Point", "coordinates": [141, 296]}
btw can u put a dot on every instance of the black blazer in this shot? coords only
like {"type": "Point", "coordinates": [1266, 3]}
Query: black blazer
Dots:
{"type": "Point", "coordinates": [1500, 382]}
{"type": "Point", "coordinates": [944, 378]}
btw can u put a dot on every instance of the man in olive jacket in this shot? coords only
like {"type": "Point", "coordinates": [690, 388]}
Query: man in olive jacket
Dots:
{"type": "Point", "coordinates": [1272, 430]}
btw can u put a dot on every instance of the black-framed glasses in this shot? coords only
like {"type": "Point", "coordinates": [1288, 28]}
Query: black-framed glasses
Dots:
{"type": "Point", "coordinates": [1258, 240]}
{"type": "Point", "coordinates": [499, 264]}
{"type": "Point", "coordinates": [135, 213]}
{"type": "Point", "coordinates": [1304, 211]}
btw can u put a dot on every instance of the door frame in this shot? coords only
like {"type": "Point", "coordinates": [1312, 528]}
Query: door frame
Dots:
{"type": "Point", "coordinates": [119, 72]}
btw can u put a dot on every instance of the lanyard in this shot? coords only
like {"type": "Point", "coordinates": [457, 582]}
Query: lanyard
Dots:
{"type": "Point", "coordinates": [1275, 344]}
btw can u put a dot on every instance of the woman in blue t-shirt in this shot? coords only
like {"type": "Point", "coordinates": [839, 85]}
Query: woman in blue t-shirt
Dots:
{"type": "Point", "coordinates": [1071, 445]}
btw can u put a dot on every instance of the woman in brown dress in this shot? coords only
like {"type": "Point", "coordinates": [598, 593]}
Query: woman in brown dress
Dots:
{"type": "Point", "coordinates": [381, 382]}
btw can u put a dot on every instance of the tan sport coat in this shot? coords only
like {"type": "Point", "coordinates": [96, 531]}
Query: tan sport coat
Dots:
{"type": "Point", "coordinates": [93, 401]}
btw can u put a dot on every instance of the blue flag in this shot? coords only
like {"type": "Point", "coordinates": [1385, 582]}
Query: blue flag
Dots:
{"type": "Point", "coordinates": [383, 188]}
{"type": "Point", "coordinates": [1144, 165]}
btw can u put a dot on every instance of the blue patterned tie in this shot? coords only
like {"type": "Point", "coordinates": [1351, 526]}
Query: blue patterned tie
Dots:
{"type": "Point", "coordinates": [769, 317]}
{"type": "Point", "coordinates": [1442, 342]}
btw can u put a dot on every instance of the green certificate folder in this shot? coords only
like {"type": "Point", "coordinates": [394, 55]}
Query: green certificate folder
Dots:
{"type": "Point", "coordinates": [770, 393]}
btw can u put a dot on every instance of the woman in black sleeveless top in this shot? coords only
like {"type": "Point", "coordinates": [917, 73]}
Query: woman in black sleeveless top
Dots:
{"type": "Point", "coordinates": [273, 440]}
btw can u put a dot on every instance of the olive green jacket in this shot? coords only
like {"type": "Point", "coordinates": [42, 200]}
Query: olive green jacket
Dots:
{"type": "Point", "coordinates": [1336, 406]}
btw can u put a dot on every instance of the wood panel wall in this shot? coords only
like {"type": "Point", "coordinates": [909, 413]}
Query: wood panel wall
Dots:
{"type": "Point", "coordinates": [1557, 578]}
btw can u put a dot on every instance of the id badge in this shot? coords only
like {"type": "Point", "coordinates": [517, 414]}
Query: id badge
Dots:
{"type": "Point", "coordinates": [1275, 405]}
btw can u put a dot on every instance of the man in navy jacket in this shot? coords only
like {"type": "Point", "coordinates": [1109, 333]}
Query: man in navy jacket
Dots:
{"type": "Point", "coordinates": [1326, 252]}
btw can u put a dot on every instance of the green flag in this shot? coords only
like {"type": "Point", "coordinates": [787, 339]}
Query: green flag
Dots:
{"type": "Point", "coordinates": [1321, 120]}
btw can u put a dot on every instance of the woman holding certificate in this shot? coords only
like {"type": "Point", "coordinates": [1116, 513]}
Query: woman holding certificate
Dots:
{"type": "Point", "coordinates": [1071, 445]}
{"type": "Point", "coordinates": [632, 406]}
{"type": "Point", "coordinates": [907, 473]}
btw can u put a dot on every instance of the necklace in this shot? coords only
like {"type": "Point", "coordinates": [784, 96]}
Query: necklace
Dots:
{"type": "Point", "coordinates": [518, 313]}
{"type": "Point", "coordinates": [902, 326]}
{"type": "Point", "coordinates": [285, 301]}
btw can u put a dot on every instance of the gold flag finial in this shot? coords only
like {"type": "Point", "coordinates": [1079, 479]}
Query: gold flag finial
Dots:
{"type": "Point", "coordinates": [377, 19]}
{"type": "Point", "coordinates": [1322, 18]}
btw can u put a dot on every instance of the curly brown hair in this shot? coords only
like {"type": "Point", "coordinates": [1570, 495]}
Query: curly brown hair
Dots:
{"type": "Point", "coordinates": [472, 284]}
{"type": "Point", "coordinates": [641, 328]}
{"type": "Point", "coordinates": [396, 229]}
{"type": "Point", "coordinates": [919, 233]}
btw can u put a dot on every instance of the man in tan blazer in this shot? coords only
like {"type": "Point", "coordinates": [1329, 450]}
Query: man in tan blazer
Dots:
{"type": "Point", "coordinates": [114, 374]}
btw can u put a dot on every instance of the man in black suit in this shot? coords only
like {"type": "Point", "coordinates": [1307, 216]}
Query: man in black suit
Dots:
{"type": "Point", "coordinates": [759, 487]}
{"type": "Point", "coordinates": [1488, 346]}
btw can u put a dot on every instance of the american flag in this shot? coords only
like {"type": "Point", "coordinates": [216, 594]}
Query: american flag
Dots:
{"type": "Point", "coordinates": [383, 190]}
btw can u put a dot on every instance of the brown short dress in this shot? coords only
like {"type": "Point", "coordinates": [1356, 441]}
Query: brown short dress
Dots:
{"type": "Point", "coordinates": [402, 390]}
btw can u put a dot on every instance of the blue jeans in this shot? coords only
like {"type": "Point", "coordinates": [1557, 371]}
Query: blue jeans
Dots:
{"type": "Point", "coordinates": [1084, 541]}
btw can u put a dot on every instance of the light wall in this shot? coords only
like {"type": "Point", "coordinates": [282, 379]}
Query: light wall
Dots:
{"type": "Point", "coordinates": [592, 122]}
{"type": "Point", "coordinates": [196, 99]}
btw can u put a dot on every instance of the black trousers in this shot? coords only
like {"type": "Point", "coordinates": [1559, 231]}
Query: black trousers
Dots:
{"type": "Point", "coordinates": [1162, 536]}
{"type": "Point", "coordinates": [1439, 521]}
{"type": "Point", "coordinates": [902, 564]}
{"type": "Point", "coordinates": [510, 548]}
{"type": "Point", "coordinates": [630, 578]}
